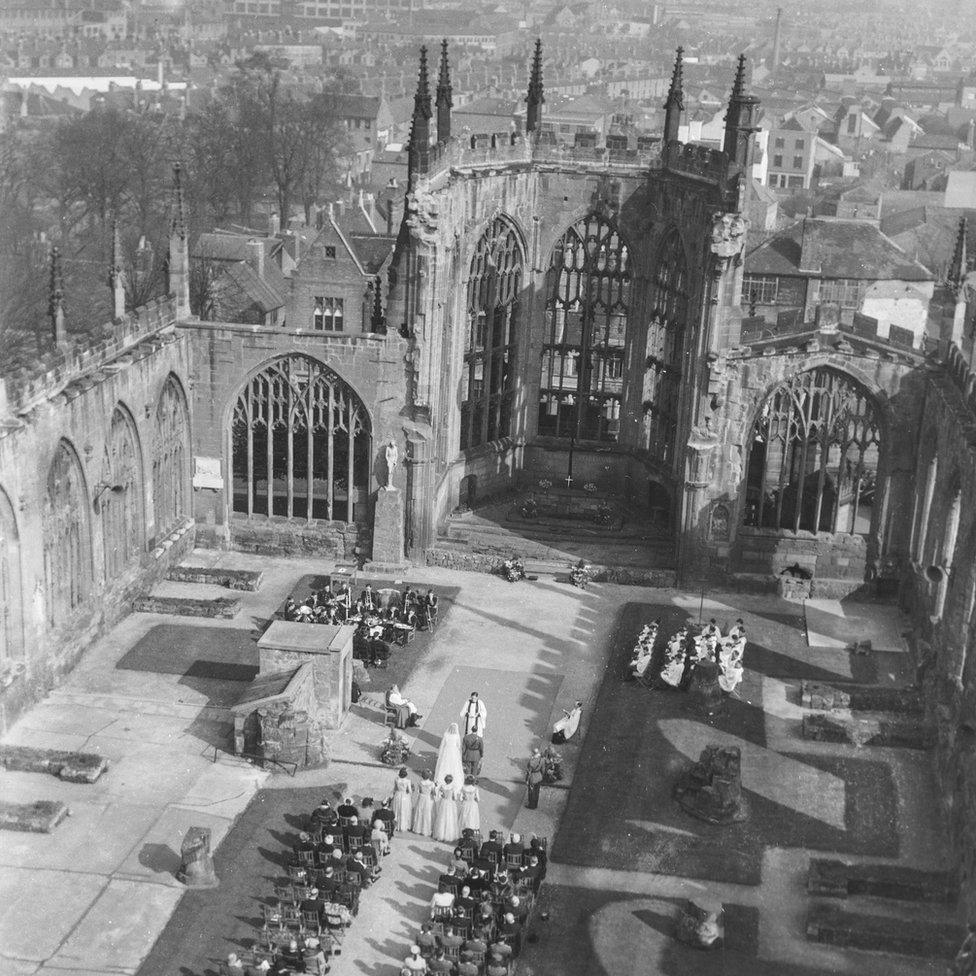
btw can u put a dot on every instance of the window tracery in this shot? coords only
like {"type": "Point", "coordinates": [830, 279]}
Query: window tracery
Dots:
{"type": "Point", "coordinates": [67, 537]}
{"type": "Point", "coordinates": [589, 282]}
{"type": "Point", "coordinates": [813, 462]}
{"type": "Point", "coordinates": [171, 440]}
{"type": "Point", "coordinates": [488, 381]}
{"type": "Point", "coordinates": [300, 444]}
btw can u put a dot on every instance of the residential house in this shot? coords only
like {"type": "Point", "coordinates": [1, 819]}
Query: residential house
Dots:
{"type": "Point", "coordinates": [848, 264]}
{"type": "Point", "coordinates": [927, 171]}
{"type": "Point", "coordinates": [791, 156]}
{"type": "Point", "coordinates": [854, 126]}
{"type": "Point", "coordinates": [334, 283]}
{"type": "Point", "coordinates": [238, 278]}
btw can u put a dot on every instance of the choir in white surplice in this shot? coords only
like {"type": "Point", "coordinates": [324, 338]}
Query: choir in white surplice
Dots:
{"type": "Point", "coordinates": [684, 649]}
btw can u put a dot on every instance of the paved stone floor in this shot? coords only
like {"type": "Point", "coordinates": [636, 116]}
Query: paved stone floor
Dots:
{"type": "Point", "coordinates": [95, 897]}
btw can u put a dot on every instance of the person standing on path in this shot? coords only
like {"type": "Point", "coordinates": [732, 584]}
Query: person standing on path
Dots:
{"type": "Point", "coordinates": [533, 779]}
{"type": "Point", "coordinates": [474, 715]}
{"type": "Point", "coordinates": [472, 753]}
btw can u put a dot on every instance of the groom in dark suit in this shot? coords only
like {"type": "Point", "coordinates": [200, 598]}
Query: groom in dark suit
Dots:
{"type": "Point", "coordinates": [472, 754]}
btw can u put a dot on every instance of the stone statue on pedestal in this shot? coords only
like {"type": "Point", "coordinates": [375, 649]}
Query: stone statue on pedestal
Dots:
{"type": "Point", "coordinates": [392, 457]}
{"type": "Point", "coordinates": [196, 861]}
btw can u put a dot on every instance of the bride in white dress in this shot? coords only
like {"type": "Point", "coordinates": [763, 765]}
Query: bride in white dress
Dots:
{"type": "Point", "coordinates": [449, 757]}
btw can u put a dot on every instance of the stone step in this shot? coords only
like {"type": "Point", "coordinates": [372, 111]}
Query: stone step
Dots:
{"type": "Point", "coordinates": [231, 579]}
{"type": "Point", "coordinates": [868, 729]}
{"type": "Point", "coordinates": [840, 879]}
{"type": "Point", "coordinates": [878, 933]}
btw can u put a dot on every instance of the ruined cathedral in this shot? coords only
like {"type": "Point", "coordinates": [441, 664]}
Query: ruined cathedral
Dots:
{"type": "Point", "coordinates": [544, 314]}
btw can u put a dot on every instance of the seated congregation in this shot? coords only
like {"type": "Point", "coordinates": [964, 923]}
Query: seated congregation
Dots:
{"type": "Point", "coordinates": [333, 861]}
{"type": "Point", "coordinates": [382, 617]}
{"type": "Point", "coordinates": [481, 912]}
{"type": "Point", "coordinates": [685, 651]}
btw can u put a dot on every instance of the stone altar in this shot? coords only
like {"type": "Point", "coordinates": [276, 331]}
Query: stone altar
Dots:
{"type": "Point", "coordinates": [196, 861]}
{"type": "Point", "coordinates": [286, 645]}
{"type": "Point", "coordinates": [388, 532]}
{"type": "Point", "coordinates": [712, 788]}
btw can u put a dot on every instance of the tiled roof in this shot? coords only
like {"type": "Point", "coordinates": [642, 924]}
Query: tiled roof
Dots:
{"type": "Point", "coordinates": [832, 248]}
{"type": "Point", "coordinates": [372, 250]}
{"type": "Point", "coordinates": [256, 288]}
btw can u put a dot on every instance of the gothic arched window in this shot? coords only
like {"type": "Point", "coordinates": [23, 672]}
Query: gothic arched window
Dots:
{"type": "Point", "coordinates": [120, 495]}
{"type": "Point", "coordinates": [171, 446]}
{"type": "Point", "coordinates": [489, 380]}
{"type": "Point", "coordinates": [300, 444]}
{"type": "Point", "coordinates": [11, 592]}
{"type": "Point", "coordinates": [67, 537]}
{"type": "Point", "coordinates": [813, 459]}
{"type": "Point", "coordinates": [665, 347]}
{"type": "Point", "coordinates": [588, 290]}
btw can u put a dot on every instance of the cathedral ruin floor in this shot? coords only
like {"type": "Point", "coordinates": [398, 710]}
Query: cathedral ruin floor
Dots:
{"type": "Point", "coordinates": [97, 894]}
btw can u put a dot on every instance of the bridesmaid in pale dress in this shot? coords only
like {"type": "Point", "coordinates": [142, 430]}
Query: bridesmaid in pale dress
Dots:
{"type": "Point", "coordinates": [469, 814]}
{"type": "Point", "coordinates": [446, 812]}
{"type": "Point", "coordinates": [423, 810]}
{"type": "Point", "coordinates": [402, 800]}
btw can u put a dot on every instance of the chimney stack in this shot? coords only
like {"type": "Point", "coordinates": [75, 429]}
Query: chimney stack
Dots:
{"type": "Point", "coordinates": [777, 39]}
{"type": "Point", "coordinates": [255, 256]}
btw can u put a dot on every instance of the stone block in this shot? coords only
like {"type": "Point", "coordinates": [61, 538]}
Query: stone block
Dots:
{"type": "Point", "coordinates": [701, 923]}
{"type": "Point", "coordinates": [40, 817]}
{"type": "Point", "coordinates": [231, 579]}
{"type": "Point", "coordinates": [869, 730]}
{"type": "Point", "coordinates": [74, 767]}
{"type": "Point", "coordinates": [838, 879]}
{"type": "Point", "coordinates": [223, 606]}
{"type": "Point", "coordinates": [196, 860]}
{"type": "Point", "coordinates": [816, 694]}
{"type": "Point", "coordinates": [711, 789]}
{"type": "Point", "coordinates": [388, 531]}
{"type": "Point", "coordinates": [908, 937]}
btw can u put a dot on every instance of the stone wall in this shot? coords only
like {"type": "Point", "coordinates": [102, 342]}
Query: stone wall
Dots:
{"type": "Point", "coordinates": [940, 592]}
{"type": "Point", "coordinates": [76, 404]}
{"type": "Point", "coordinates": [224, 357]}
{"type": "Point", "coordinates": [714, 541]}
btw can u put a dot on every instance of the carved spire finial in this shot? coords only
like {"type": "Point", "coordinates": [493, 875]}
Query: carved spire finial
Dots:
{"type": "Point", "coordinates": [178, 220]}
{"type": "Point", "coordinates": [55, 308]}
{"type": "Point", "coordinates": [444, 98]}
{"type": "Point", "coordinates": [535, 97]}
{"type": "Point", "coordinates": [959, 266]}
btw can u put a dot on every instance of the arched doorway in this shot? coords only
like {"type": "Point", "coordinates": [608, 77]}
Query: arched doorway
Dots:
{"type": "Point", "coordinates": [300, 444]}
{"type": "Point", "coordinates": [813, 457]}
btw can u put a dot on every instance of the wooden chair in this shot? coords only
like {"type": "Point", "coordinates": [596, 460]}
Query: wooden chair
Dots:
{"type": "Point", "coordinates": [296, 872]}
{"type": "Point", "coordinates": [291, 917]}
{"type": "Point", "coordinates": [282, 891]}
{"type": "Point", "coordinates": [311, 923]}
{"type": "Point", "coordinates": [453, 953]}
{"type": "Point", "coordinates": [345, 822]}
{"type": "Point", "coordinates": [336, 929]}
{"type": "Point", "coordinates": [306, 859]}
{"type": "Point", "coordinates": [270, 917]}
{"type": "Point", "coordinates": [355, 844]}
{"type": "Point", "coordinates": [513, 860]}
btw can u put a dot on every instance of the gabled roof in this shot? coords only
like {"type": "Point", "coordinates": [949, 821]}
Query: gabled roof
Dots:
{"type": "Point", "coordinates": [834, 248]}
{"type": "Point", "coordinates": [371, 249]}
{"type": "Point", "coordinates": [231, 247]}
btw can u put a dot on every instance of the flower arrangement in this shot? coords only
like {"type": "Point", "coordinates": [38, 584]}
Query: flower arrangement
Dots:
{"type": "Point", "coordinates": [590, 487]}
{"type": "Point", "coordinates": [394, 749]}
{"type": "Point", "coordinates": [545, 484]}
